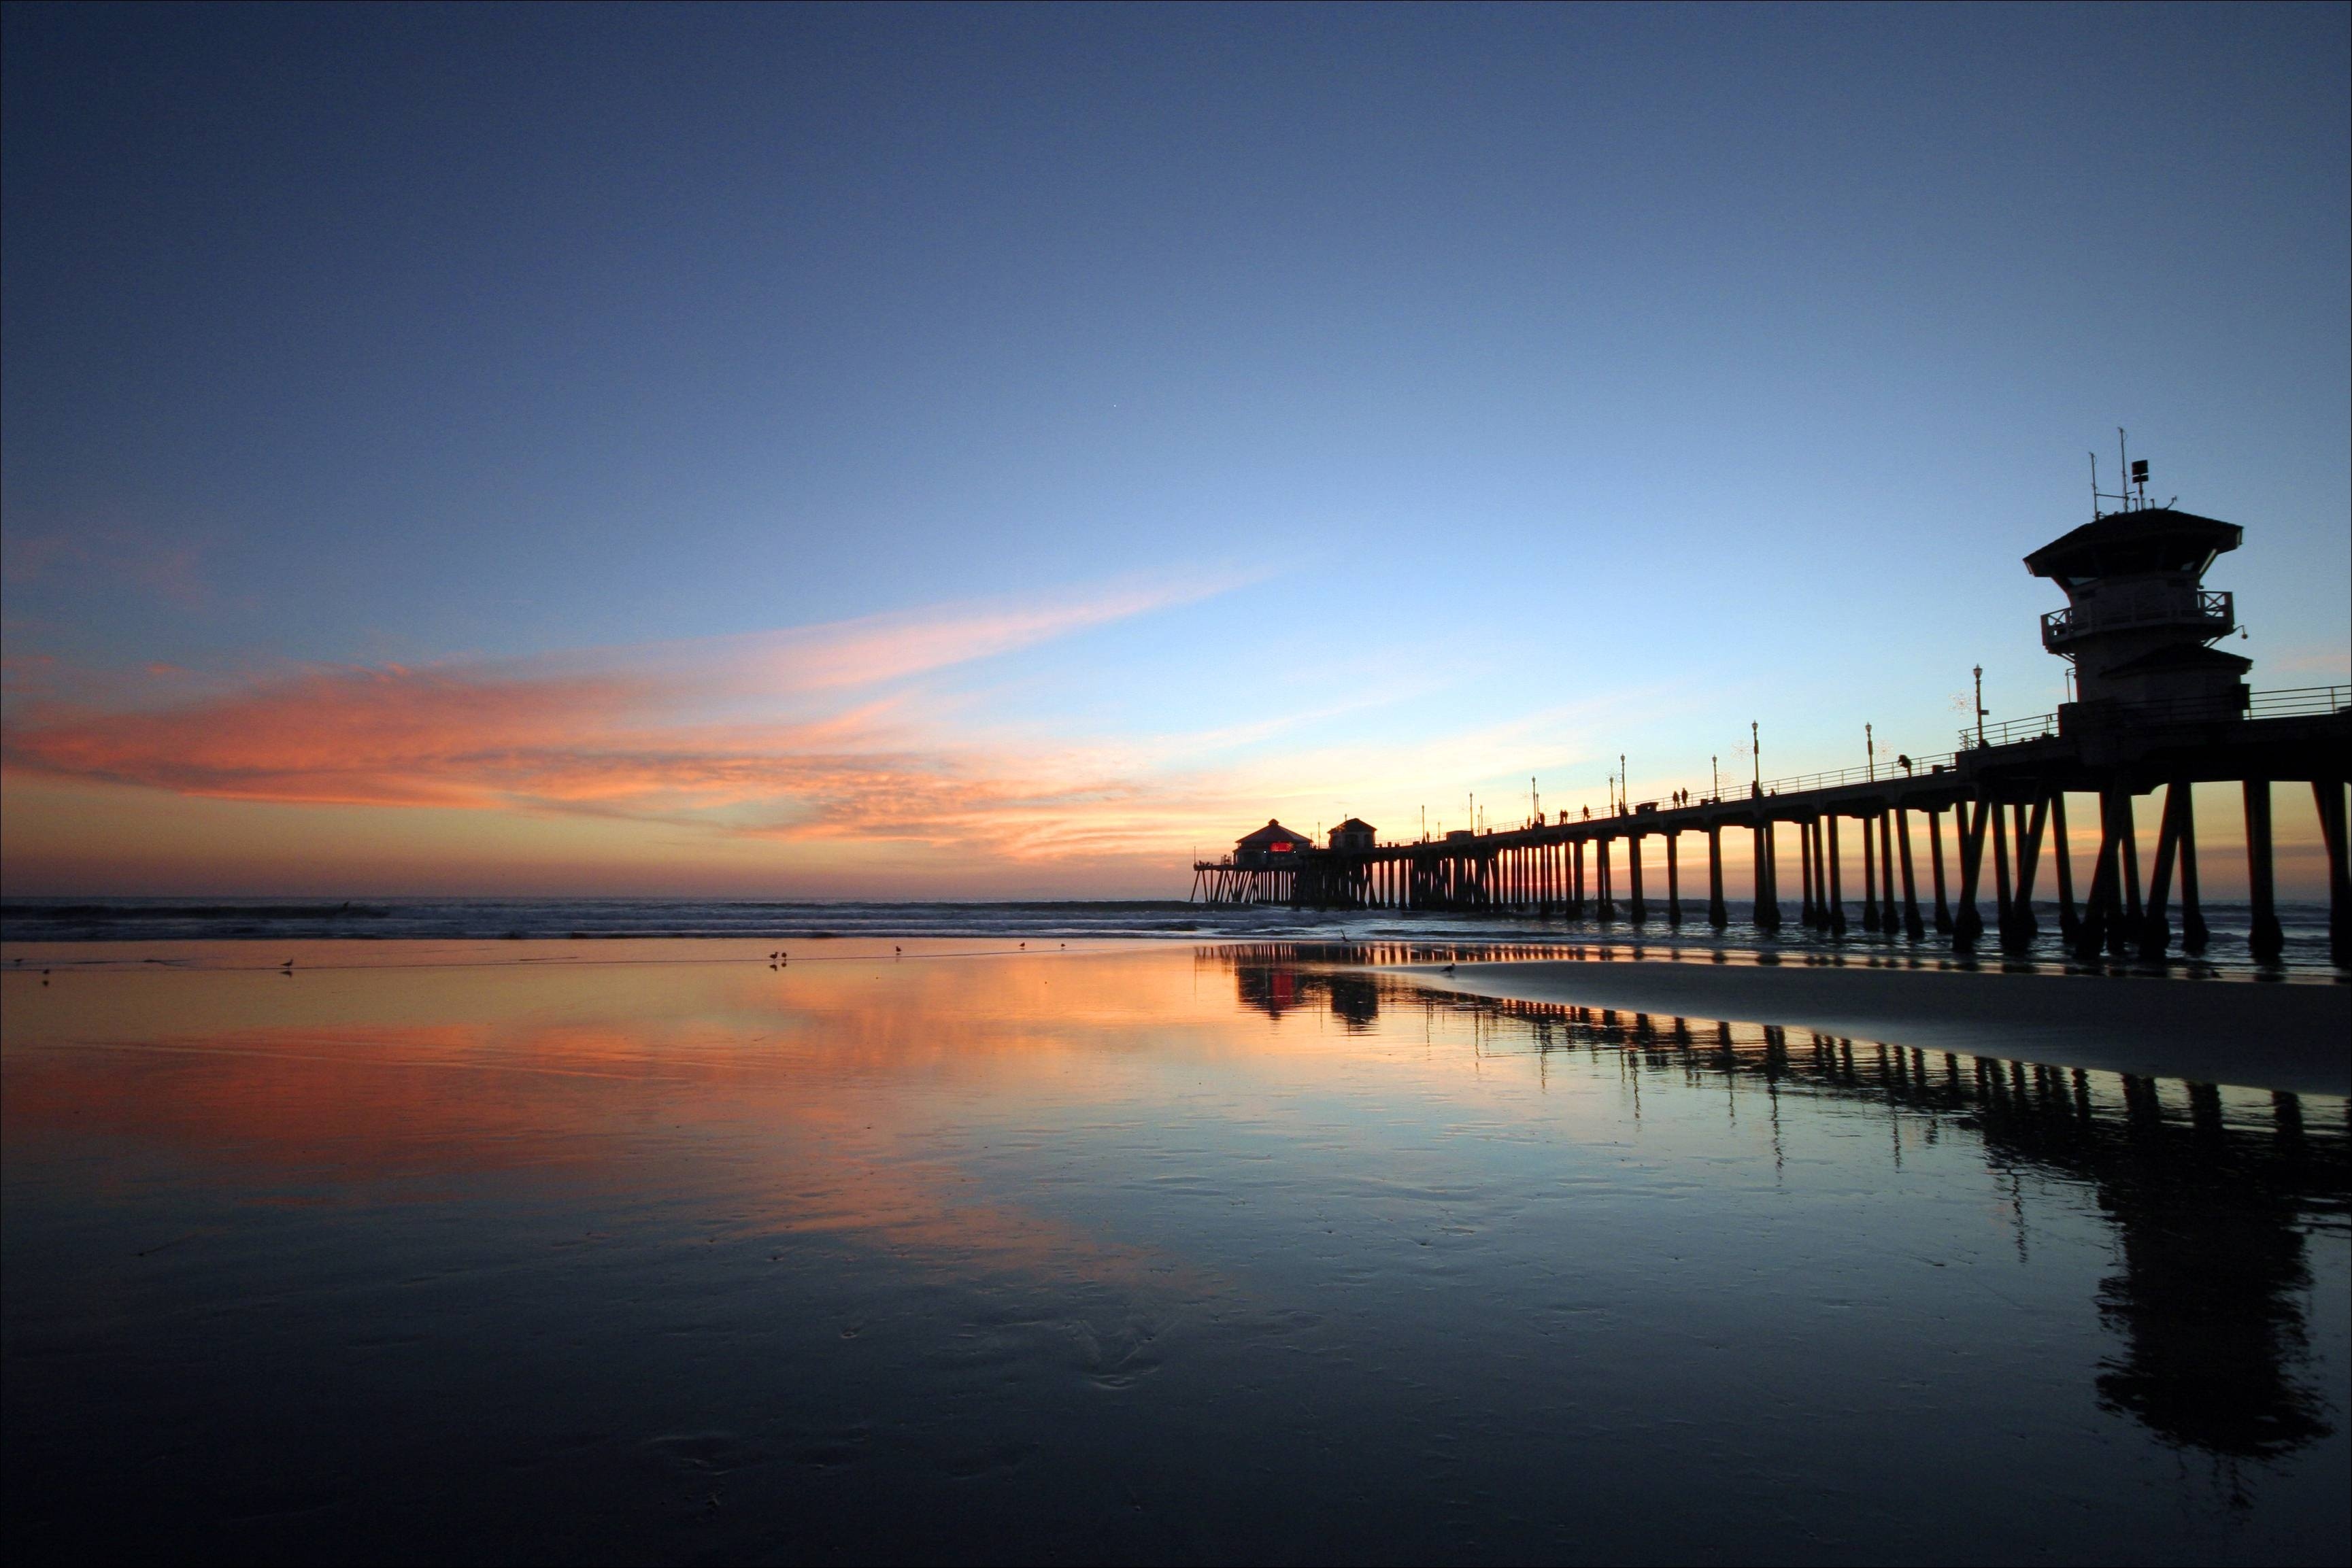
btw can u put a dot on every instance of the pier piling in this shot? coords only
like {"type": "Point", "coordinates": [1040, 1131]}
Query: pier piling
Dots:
{"type": "Point", "coordinates": [1936, 858]}
{"type": "Point", "coordinates": [1768, 879]}
{"type": "Point", "coordinates": [2193, 934]}
{"type": "Point", "coordinates": [1716, 915]}
{"type": "Point", "coordinates": [1869, 876]}
{"type": "Point", "coordinates": [2004, 907]}
{"type": "Point", "coordinates": [1837, 882]}
{"type": "Point", "coordinates": [2063, 857]}
{"type": "Point", "coordinates": [1887, 870]}
{"type": "Point", "coordinates": [2155, 931]}
{"type": "Point", "coordinates": [1638, 910]}
{"type": "Point", "coordinates": [2328, 796]}
{"type": "Point", "coordinates": [2125, 935]}
{"type": "Point", "coordinates": [1966, 923]}
{"type": "Point", "coordinates": [2265, 939]}
{"type": "Point", "coordinates": [1913, 926]}
{"type": "Point", "coordinates": [1811, 868]}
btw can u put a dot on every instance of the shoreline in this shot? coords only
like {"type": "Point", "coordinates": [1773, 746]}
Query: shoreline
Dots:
{"type": "Point", "coordinates": [2295, 1039]}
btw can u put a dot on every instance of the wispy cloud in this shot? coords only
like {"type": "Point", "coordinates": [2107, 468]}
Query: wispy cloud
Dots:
{"type": "Point", "coordinates": [809, 732]}
{"type": "Point", "coordinates": [879, 649]}
{"type": "Point", "coordinates": [169, 568]}
{"type": "Point", "coordinates": [836, 738]}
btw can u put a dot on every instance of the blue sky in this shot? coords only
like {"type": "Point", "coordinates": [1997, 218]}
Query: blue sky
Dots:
{"type": "Point", "coordinates": [1357, 407]}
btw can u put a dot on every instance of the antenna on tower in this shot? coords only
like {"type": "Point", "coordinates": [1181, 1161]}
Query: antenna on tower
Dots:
{"type": "Point", "coordinates": [2130, 494]}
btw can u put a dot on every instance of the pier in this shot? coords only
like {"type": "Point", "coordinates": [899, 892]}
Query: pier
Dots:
{"type": "Point", "coordinates": [1925, 844]}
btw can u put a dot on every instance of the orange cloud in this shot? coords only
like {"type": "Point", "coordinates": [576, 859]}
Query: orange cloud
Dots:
{"type": "Point", "coordinates": [380, 736]}
{"type": "Point", "coordinates": [618, 734]}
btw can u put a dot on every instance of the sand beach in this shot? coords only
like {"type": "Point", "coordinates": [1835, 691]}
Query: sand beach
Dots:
{"type": "Point", "coordinates": [2293, 1035]}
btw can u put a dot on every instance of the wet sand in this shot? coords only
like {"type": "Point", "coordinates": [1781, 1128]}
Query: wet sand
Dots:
{"type": "Point", "coordinates": [2295, 1037]}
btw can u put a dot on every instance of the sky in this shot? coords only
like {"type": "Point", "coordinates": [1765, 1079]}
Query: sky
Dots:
{"type": "Point", "coordinates": [879, 451]}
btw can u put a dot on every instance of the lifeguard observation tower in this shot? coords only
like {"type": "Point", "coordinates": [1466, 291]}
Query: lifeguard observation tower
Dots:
{"type": "Point", "coordinates": [2139, 622]}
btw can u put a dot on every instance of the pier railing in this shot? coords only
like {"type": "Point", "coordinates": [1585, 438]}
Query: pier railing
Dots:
{"type": "Point", "coordinates": [1839, 778]}
{"type": "Point", "coordinates": [2296, 701]}
{"type": "Point", "coordinates": [2041, 727]}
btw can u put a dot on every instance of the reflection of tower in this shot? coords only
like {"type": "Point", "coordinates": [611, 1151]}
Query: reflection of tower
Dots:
{"type": "Point", "coordinates": [1272, 989]}
{"type": "Point", "coordinates": [2138, 617]}
{"type": "Point", "coordinates": [1275, 985]}
{"type": "Point", "coordinates": [2207, 1304]}
{"type": "Point", "coordinates": [1355, 1000]}
{"type": "Point", "coordinates": [2210, 1348]}
{"type": "Point", "coordinates": [2207, 1300]}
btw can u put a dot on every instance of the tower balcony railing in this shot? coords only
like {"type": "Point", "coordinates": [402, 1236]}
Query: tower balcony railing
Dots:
{"type": "Point", "coordinates": [2208, 613]}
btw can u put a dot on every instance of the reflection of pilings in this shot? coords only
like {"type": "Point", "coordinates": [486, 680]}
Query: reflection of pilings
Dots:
{"type": "Point", "coordinates": [2209, 1206]}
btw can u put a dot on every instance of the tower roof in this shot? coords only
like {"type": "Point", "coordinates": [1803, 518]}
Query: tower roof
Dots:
{"type": "Point", "coordinates": [2155, 538]}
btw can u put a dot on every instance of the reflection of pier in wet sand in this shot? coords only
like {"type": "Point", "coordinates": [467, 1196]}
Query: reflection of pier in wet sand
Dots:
{"type": "Point", "coordinates": [2209, 1190]}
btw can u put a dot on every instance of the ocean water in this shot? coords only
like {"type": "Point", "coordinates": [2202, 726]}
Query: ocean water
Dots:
{"type": "Point", "coordinates": [278, 920]}
{"type": "Point", "coordinates": [938, 1248]}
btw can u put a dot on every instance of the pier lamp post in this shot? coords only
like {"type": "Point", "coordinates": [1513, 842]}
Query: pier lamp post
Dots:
{"type": "Point", "coordinates": [1756, 756]}
{"type": "Point", "coordinates": [1869, 755]}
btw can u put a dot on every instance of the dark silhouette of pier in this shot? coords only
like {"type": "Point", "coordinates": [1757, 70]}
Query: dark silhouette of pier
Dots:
{"type": "Point", "coordinates": [2157, 708]}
